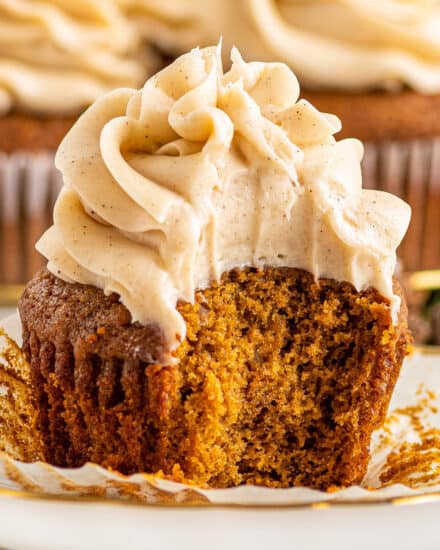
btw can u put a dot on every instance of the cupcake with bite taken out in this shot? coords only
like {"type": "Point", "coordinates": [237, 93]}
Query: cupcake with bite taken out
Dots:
{"type": "Point", "coordinates": [219, 304]}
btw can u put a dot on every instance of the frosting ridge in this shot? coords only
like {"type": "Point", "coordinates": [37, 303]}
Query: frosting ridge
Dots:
{"type": "Point", "coordinates": [201, 171]}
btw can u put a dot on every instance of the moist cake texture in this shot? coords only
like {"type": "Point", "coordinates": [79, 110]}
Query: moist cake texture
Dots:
{"type": "Point", "coordinates": [280, 380]}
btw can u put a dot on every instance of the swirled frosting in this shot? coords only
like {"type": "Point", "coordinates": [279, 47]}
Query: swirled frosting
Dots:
{"type": "Point", "coordinates": [345, 44]}
{"type": "Point", "coordinates": [58, 56]}
{"type": "Point", "coordinates": [202, 171]}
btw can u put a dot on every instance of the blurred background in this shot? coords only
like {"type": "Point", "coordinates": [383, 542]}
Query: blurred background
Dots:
{"type": "Point", "coordinates": [375, 64]}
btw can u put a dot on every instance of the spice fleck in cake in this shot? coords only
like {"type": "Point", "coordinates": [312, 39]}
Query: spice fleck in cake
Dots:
{"type": "Point", "coordinates": [219, 303]}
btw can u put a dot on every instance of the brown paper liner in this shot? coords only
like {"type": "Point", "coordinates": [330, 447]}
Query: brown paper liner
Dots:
{"type": "Point", "coordinates": [29, 184]}
{"type": "Point", "coordinates": [410, 170]}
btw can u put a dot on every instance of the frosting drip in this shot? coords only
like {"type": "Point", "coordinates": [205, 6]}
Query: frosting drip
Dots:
{"type": "Point", "coordinates": [58, 56]}
{"type": "Point", "coordinates": [202, 171]}
{"type": "Point", "coordinates": [345, 44]}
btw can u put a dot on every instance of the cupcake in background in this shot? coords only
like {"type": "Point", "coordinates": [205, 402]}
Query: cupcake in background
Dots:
{"type": "Point", "coordinates": [375, 64]}
{"type": "Point", "coordinates": [56, 58]}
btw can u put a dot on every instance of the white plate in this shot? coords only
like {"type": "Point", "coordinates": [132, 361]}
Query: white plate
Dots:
{"type": "Point", "coordinates": [51, 525]}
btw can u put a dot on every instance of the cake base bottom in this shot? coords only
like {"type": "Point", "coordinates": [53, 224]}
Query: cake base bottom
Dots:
{"type": "Point", "coordinates": [280, 380]}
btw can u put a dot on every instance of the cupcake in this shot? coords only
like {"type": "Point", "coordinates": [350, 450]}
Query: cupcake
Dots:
{"type": "Point", "coordinates": [56, 58]}
{"type": "Point", "coordinates": [375, 64]}
{"type": "Point", "coordinates": [218, 305]}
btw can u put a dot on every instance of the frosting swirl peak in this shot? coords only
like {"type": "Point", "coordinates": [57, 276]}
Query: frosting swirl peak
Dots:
{"type": "Point", "coordinates": [202, 171]}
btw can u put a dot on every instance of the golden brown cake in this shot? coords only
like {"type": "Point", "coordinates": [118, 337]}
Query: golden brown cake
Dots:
{"type": "Point", "coordinates": [218, 305]}
{"type": "Point", "coordinates": [279, 392]}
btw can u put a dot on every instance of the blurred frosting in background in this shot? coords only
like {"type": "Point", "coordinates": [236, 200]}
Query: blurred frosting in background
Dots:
{"type": "Point", "coordinates": [340, 44]}
{"type": "Point", "coordinates": [58, 56]}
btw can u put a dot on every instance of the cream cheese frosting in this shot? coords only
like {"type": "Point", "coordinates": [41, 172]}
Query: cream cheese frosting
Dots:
{"type": "Point", "coordinates": [340, 44]}
{"type": "Point", "coordinates": [201, 171]}
{"type": "Point", "coordinates": [58, 56]}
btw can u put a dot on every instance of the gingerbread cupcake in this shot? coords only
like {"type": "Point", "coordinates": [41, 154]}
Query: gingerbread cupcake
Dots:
{"type": "Point", "coordinates": [218, 305]}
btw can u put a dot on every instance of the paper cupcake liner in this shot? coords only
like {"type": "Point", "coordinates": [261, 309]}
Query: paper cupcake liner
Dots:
{"type": "Point", "coordinates": [29, 184]}
{"type": "Point", "coordinates": [410, 170]}
{"type": "Point", "coordinates": [404, 466]}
